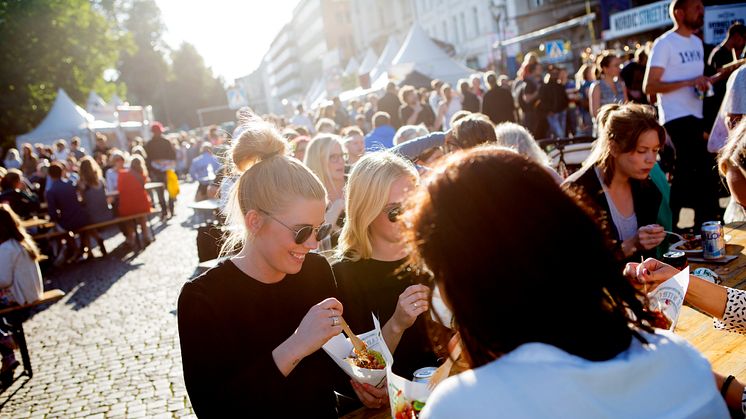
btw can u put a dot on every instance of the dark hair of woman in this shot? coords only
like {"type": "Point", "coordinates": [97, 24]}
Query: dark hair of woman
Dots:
{"type": "Point", "coordinates": [619, 128]}
{"type": "Point", "coordinates": [473, 129]}
{"type": "Point", "coordinates": [604, 61]}
{"type": "Point", "coordinates": [11, 229]}
{"type": "Point", "coordinates": [518, 260]}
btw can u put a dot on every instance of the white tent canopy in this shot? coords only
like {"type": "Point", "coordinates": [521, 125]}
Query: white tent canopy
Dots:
{"type": "Point", "coordinates": [368, 62]}
{"type": "Point", "coordinates": [420, 53]}
{"type": "Point", "coordinates": [352, 67]}
{"type": "Point", "coordinates": [64, 120]}
{"type": "Point", "coordinates": [94, 102]}
{"type": "Point", "coordinates": [387, 56]}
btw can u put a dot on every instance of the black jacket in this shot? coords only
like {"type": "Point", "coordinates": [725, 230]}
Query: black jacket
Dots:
{"type": "Point", "coordinates": [498, 105]}
{"type": "Point", "coordinates": [646, 196]}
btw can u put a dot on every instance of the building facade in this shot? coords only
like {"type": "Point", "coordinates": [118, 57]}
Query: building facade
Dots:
{"type": "Point", "coordinates": [374, 21]}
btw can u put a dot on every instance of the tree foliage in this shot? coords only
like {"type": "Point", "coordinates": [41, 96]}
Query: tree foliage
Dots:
{"type": "Point", "coordinates": [46, 45]}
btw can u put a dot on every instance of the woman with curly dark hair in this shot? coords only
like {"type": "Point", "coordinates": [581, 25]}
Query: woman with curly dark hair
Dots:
{"type": "Point", "coordinates": [549, 325]}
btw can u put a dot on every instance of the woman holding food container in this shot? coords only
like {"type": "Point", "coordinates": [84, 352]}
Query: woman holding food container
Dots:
{"type": "Point", "coordinates": [547, 321]}
{"type": "Point", "coordinates": [372, 272]}
{"type": "Point", "coordinates": [251, 328]}
{"type": "Point", "coordinates": [615, 180]}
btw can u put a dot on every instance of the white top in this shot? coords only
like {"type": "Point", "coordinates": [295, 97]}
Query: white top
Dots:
{"type": "Point", "coordinates": [112, 180]}
{"type": "Point", "coordinates": [665, 379]}
{"type": "Point", "coordinates": [19, 272]}
{"type": "Point", "coordinates": [681, 58]}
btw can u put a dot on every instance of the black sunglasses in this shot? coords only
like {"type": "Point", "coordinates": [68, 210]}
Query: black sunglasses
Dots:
{"type": "Point", "coordinates": [394, 212]}
{"type": "Point", "coordinates": [303, 233]}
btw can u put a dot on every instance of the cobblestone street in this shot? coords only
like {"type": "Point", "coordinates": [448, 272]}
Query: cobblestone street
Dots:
{"type": "Point", "coordinates": [110, 347]}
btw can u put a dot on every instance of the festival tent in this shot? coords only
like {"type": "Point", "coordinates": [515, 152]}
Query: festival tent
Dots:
{"type": "Point", "coordinates": [387, 56]}
{"type": "Point", "coordinates": [420, 53]}
{"type": "Point", "coordinates": [64, 120]}
{"type": "Point", "coordinates": [352, 66]}
{"type": "Point", "coordinates": [368, 63]}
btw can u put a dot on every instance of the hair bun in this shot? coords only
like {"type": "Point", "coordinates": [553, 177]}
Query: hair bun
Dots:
{"type": "Point", "coordinates": [259, 140]}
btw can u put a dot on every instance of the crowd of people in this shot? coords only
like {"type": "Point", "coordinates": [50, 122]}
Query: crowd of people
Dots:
{"type": "Point", "coordinates": [396, 204]}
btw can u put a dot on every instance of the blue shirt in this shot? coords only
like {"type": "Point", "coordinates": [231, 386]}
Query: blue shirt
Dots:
{"type": "Point", "coordinates": [381, 137]}
{"type": "Point", "coordinates": [63, 206]}
{"type": "Point", "coordinates": [204, 167]}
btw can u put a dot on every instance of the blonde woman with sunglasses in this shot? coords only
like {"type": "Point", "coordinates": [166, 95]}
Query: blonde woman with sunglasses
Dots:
{"type": "Point", "coordinates": [251, 328]}
{"type": "Point", "coordinates": [371, 269]}
{"type": "Point", "coordinates": [326, 158]}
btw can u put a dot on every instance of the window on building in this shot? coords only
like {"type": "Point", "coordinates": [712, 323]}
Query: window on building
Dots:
{"type": "Point", "coordinates": [464, 31]}
{"type": "Point", "coordinates": [445, 30]}
{"type": "Point", "coordinates": [475, 16]}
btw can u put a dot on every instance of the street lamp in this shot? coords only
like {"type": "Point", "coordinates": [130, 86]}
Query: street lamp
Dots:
{"type": "Point", "coordinates": [497, 13]}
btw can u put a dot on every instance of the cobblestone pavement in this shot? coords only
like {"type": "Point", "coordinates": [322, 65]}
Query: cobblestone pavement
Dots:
{"type": "Point", "coordinates": [110, 347]}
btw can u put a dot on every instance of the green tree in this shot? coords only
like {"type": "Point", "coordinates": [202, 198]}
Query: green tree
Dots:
{"type": "Point", "coordinates": [46, 45]}
{"type": "Point", "coordinates": [191, 87]}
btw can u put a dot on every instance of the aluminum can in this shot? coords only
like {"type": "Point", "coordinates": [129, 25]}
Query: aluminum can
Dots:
{"type": "Point", "coordinates": [713, 240]}
{"type": "Point", "coordinates": [423, 375]}
{"type": "Point", "coordinates": [676, 258]}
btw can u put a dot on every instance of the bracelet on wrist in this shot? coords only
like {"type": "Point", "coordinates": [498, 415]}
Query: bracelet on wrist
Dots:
{"type": "Point", "coordinates": [726, 384]}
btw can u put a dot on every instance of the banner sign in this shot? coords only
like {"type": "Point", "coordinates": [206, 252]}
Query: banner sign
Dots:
{"type": "Point", "coordinates": [639, 19]}
{"type": "Point", "coordinates": [719, 18]}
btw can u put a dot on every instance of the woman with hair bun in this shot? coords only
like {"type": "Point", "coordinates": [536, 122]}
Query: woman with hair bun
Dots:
{"type": "Point", "coordinates": [616, 181]}
{"type": "Point", "coordinates": [251, 328]}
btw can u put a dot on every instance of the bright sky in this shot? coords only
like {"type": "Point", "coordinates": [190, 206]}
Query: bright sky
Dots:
{"type": "Point", "coordinates": [232, 36]}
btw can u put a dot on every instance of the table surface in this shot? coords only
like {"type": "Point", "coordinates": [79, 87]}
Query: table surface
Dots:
{"type": "Point", "coordinates": [206, 204]}
{"type": "Point", "coordinates": [37, 222]}
{"type": "Point", "coordinates": [726, 351]}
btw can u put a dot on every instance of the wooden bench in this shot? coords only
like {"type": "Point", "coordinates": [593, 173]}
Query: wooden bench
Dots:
{"type": "Point", "coordinates": [50, 235]}
{"type": "Point", "coordinates": [14, 318]}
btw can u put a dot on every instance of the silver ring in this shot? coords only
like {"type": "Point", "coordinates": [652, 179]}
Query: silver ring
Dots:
{"type": "Point", "coordinates": [414, 304]}
{"type": "Point", "coordinates": [335, 321]}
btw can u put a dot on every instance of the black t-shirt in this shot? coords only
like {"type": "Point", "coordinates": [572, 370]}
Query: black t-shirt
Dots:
{"type": "Point", "coordinates": [160, 148]}
{"type": "Point", "coordinates": [372, 286]}
{"type": "Point", "coordinates": [471, 102]}
{"type": "Point", "coordinates": [497, 104]}
{"type": "Point", "coordinates": [426, 115]}
{"type": "Point", "coordinates": [229, 324]}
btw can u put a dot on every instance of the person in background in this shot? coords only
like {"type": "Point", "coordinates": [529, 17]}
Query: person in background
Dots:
{"type": "Point", "coordinates": [301, 118]}
{"type": "Point", "coordinates": [615, 179]}
{"type": "Point", "coordinates": [203, 170]}
{"type": "Point", "coordinates": [182, 162]}
{"type": "Point", "coordinates": [102, 144]}
{"type": "Point", "coordinates": [558, 369]}
{"type": "Point", "coordinates": [470, 131]}
{"type": "Point", "coordinates": [390, 104]}
{"type": "Point", "coordinates": [298, 147]}
{"type": "Point", "coordinates": [553, 103]}
{"type": "Point", "coordinates": [30, 160]}
{"type": "Point", "coordinates": [731, 111]}
{"type": "Point", "coordinates": [413, 111]}
{"type": "Point", "coordinates": [609, 88]}
{"type": "Point", "coordinates": [268, 309]}
{"type": "Point", "coordinates": [341, 118]}
{"type": "Point", "coordinates": [633, 73]}
{"type": "Point", "coordinates": [449, 105]}
{"type": "Point", "coordinates": [362, 123]}
{"type": "Point", "coordinates": [134, 199]}
{"type": "Point", "coordinates": [16, 193]}
{"type": "Point", "coordinates": [161, 157]}
{"type": "Point", "coordinates": [526, 94]}
{"type": "Point", "coordinates": [675, 82]}
{"type": "Point", "coordinates": [497, 103]}
{"type": "Point", "coordinates": [520, 139]}
{"type": "Point", "coordinates": [408, 132]}
{"type": "Point", "coordinates": [383, 132]}
{"type": "Point", "coordinates": [60, 151]}
{"type": "Point", "coordinates": [116, 165]}
{"type": "Point", "coordinates": [75, 149]}
{"type": "Point", "coordinates": [326, 126]}
{"type": "Point", "coordinates": [353, 142]}
{"type": "Point", "coordinates": [434, 98]}
{"type": "Point", "coordinates": [64, 208]}
{"type": "Point", "coordinates": [732, 165]}
{"type": "Point", "coordinates": [476, 85]}
{"type": "Point", "coordinates": [469, 100]}
{"type": "Point", "coordinates": [371, 261]}
{"type": "Point", "coordinates": [93, 192]}
{"type": "Point", "coordinates": [12, 159]}
{"type": "Point", "coordinates": [325, 158]}
{"type": "Point", "coordinates": [731, 49]}
{"type": "Point", "coordinates": [20, 278]}
{"type": "Point", "coordinates": [584, 78]}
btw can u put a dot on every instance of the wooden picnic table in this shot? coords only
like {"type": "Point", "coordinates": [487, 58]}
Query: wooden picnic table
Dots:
{"type": "Point", "coordinates": [37, 222]}
{"type": "Point", "coordinates": [148, 187]}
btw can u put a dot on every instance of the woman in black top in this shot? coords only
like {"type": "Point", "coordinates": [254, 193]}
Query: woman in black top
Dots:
{"type": "Point", "coordinates": [251, 328]}
{"type": "Point", "coordinates": [372, 275]}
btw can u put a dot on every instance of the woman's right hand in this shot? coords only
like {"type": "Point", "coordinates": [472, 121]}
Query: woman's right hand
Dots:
{"type": "Point", "coordinates": [650, 236]}
{"type": "Point", "coordinates": [649, 273]}
{"type": "Point", "coordinates": [318, 326]}
{"type": "Point", "coordinates": [412, 302]}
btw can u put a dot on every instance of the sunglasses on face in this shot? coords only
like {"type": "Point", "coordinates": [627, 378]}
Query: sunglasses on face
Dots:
{"type": "Point", "coordinates": [303, 232]}
{"type": "Point", "coordinates": [393, 212]}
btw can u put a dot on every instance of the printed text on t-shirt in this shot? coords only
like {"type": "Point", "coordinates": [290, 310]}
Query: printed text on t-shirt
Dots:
{"type": "Point", "coordinates": [690, 56]}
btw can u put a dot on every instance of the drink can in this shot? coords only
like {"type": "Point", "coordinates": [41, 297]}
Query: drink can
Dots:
{"type": "Point", "coordinates": [677, 259]}
{"type": "Point", "coordinates": [423, 375]}
{"type": "Point", "coordinates": [713, 240]}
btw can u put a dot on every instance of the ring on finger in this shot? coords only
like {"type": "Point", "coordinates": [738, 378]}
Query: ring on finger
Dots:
{"type": "Point", "coordinates": [335, 321]}
{"type": "Point", "coordinates": [414, 304]}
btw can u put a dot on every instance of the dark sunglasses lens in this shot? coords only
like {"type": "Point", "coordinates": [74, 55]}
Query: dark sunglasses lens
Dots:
{"type": "Point", "coordinates": [394, 214]}
{"type": "Point", "coordinates": [303, 234]}
{"type": "Point", "coordinates": [323, 232]}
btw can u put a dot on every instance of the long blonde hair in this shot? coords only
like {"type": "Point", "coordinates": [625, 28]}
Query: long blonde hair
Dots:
{"type": "Point", "coordinates": [733, 154]}
{"type": "Point", "coordinates": [367, 191]}
{"type": "Point", "coordinates": [317, 157]}
{"type": "Point", "coordinates": [11, 229]}
{"type": "Point", "coordinates": [270, 182]}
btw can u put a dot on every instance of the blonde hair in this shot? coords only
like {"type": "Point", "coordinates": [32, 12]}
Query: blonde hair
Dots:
{"type": "Point", "coordinates": [317, 157]}
{"type": "Point", "coordinates": [519, 138]}
{"type": "Point", "coordinates": [367, 192]}
{"type": "Point", "coordinates": [734, 152]}
{"type": "Point", "coordinates": [268, 184]}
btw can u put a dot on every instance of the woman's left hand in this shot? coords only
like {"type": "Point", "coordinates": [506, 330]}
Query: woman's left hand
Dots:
{"type": "Point", "coordinates": [371, 397]}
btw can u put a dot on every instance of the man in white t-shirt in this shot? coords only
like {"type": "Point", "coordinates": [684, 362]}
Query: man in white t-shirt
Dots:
{"type": "Point", "coordinates": [674, 74]}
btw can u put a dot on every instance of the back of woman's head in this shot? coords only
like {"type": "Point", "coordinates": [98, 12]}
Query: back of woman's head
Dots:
{"type": "Point", "coordinates": [317, 156]}
{"type": "Point", "coordinates": [10, 179]}
{"type": "Point", "coordinates": [367, 194]}
{"type": "Point", "coordinates": [11, 229]}
{"type": "Point", "coordinates": [254, 133]}
{"type": "Point", "coordinates": [619, 128]}
{"type": "Point", "coordinates": [517, 259]}
{"type": "Point", "coordinates": [472, 130]}
{"type": "Point", "coordinates": [520, 139]}
{"type": "Point", "coordinates": [137, 165]}
{"type": "Point", "coordinates": [734, 152]}
{"type": "Point", "coordinates": [270, 182]}
{"type": "Point", "coordinates": [90, 172]}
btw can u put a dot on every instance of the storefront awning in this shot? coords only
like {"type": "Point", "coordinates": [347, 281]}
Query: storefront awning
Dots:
{"type": "Point", "coordinates": [578, 21]}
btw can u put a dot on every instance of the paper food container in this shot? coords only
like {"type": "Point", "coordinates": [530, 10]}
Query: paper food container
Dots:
{"type": "Point", "coordinates": [339, 348]}
{"type": "Point", "coordinates": [669, 296]}
{"type": "Point", "coordinates": [406, 397]}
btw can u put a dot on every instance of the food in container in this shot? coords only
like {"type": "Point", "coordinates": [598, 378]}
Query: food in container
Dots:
{"type": "Point", "coordinates": [370, 359]}
{"type": "Point", "coordinates": [667, 299]}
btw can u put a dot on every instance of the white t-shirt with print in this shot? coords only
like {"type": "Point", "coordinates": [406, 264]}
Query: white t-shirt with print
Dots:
{"type": "Point", "coordinates": [681, 58]}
